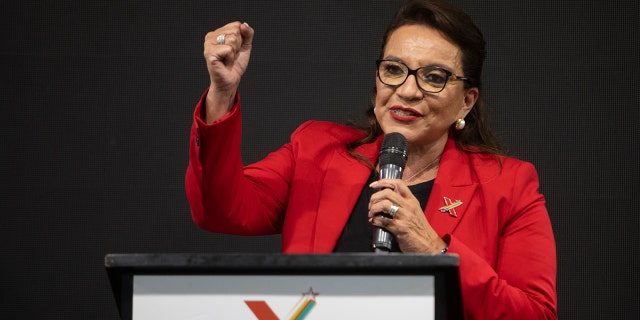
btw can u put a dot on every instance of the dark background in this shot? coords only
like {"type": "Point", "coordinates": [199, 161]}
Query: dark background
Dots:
{"type": "Point", "coordinates": [97, 99]}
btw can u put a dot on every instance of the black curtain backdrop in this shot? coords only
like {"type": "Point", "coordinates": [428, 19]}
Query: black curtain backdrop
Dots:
{"type": "Point", "coordinates": [97, 100]}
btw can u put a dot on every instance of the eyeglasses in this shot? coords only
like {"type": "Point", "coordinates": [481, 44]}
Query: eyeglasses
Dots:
{"type": "Point", "coordinates": [429, 79]}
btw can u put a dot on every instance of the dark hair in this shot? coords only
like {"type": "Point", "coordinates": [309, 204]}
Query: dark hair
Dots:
{"type": "Point", "coordinates": [457, 26]}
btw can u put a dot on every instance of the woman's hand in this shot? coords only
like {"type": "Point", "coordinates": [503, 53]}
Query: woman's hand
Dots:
{"type": "Point", "coordinates": [226, 63]}
{"type": "Point", "coordinates": [408, 224]}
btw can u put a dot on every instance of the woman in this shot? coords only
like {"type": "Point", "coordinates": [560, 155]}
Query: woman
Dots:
{"type": "Point", "coordinates": [458, 194]}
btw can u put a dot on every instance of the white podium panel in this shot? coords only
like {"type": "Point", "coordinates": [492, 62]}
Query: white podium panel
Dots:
{"type": "Point", "coordinates": [254, 297]}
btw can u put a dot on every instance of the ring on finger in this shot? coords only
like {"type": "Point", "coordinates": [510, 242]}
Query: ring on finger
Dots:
{"type": "Point", "coordinates": [393, 209]}
{"type": "Point", "coordinates": [220, 38]}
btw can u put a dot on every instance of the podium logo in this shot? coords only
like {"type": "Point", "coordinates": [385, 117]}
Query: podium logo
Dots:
{"type": "Point", "coordinates": [300, 310]}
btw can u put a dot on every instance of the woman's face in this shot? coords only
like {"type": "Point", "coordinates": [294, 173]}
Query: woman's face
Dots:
{"type": "Point", "coordinates": [423, 118]}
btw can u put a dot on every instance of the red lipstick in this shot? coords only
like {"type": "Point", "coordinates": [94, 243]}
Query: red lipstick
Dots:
{"type": "Point", "coordinates": [401, 113]}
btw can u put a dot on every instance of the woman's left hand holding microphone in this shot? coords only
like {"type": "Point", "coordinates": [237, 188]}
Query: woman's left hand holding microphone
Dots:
{"type": "Point", "coordinates": [408, 223]}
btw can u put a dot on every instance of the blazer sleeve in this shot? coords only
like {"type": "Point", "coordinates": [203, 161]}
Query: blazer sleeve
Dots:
{"type": "Point", "coordinates": [225, 197]}
{"type": "Point", "coordinates": [522, 285]}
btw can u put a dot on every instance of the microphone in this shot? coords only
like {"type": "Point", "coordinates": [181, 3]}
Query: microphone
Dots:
{"type": "Point", "coordinates": [392, 159]}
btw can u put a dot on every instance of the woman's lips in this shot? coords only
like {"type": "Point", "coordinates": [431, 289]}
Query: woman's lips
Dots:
{"type": "Point", "coordinates": [404, 114]}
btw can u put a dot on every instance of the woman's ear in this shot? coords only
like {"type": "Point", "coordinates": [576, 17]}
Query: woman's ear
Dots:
{"type": "Point", "coordinates": [469, 100]}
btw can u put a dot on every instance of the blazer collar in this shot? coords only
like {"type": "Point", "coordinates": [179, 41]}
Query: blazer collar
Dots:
{"type": "Point", "coordinates": [344, 181]}
{"type": "Point", "coordinates": [346, 178]}
{"type": "Point", "coordinates": [454, 182]}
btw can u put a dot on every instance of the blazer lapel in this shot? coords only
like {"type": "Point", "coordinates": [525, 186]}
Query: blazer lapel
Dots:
{"type": "Point", "coordinates": [344, 181]}
{"type": "Point", "coordinates": [453, 183]}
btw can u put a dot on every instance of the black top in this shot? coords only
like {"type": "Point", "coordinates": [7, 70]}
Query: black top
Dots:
{"type": "Point", "coordinates": [356, 236]}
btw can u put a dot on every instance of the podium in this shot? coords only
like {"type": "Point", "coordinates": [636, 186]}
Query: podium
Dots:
{"type": "Point", "coordinates": [285, 286]}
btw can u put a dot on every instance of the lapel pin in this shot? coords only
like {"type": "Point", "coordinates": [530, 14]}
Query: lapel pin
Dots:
{"type": "Point", "coordinates": [450, 206]}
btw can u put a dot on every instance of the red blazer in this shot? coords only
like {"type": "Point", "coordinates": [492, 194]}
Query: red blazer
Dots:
{"type": "Point", "coordinates": [307, 189]}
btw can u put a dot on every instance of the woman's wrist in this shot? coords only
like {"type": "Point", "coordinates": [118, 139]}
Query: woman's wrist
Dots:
{"type": "Point", "coordinates": [217, 105]}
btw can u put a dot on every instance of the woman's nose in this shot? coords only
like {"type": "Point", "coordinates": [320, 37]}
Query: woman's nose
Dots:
{"type": "Point", "coordinates": [409, 90]}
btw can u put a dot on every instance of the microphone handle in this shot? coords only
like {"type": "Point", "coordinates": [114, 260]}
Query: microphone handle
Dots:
{"type": "Point", "coordinates": [381, 239]}
{"type": "Point", "coordinates": [390, 171]}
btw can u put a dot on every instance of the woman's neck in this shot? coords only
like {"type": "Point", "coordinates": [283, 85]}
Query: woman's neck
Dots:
{"type": "Point", "coordinates": [423, 161]}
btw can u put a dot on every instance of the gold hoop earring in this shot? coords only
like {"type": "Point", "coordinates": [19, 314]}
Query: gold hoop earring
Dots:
{"type": "Point", "coordinates": [460, 123]}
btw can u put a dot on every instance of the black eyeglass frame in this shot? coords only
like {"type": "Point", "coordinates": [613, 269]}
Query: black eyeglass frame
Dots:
{"type": "Point", "coordinates": [450, 75]}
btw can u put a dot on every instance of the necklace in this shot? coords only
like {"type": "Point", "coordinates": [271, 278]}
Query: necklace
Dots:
{"type": "Point", "coordinates": [425, 168]}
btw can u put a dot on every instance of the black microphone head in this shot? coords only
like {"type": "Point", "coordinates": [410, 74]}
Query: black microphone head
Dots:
{"type": "Point", "coordinates": [394, 150]}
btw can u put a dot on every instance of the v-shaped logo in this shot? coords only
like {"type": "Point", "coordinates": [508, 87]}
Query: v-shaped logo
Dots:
{"type": "Point", "coordinates": [300, 310]}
